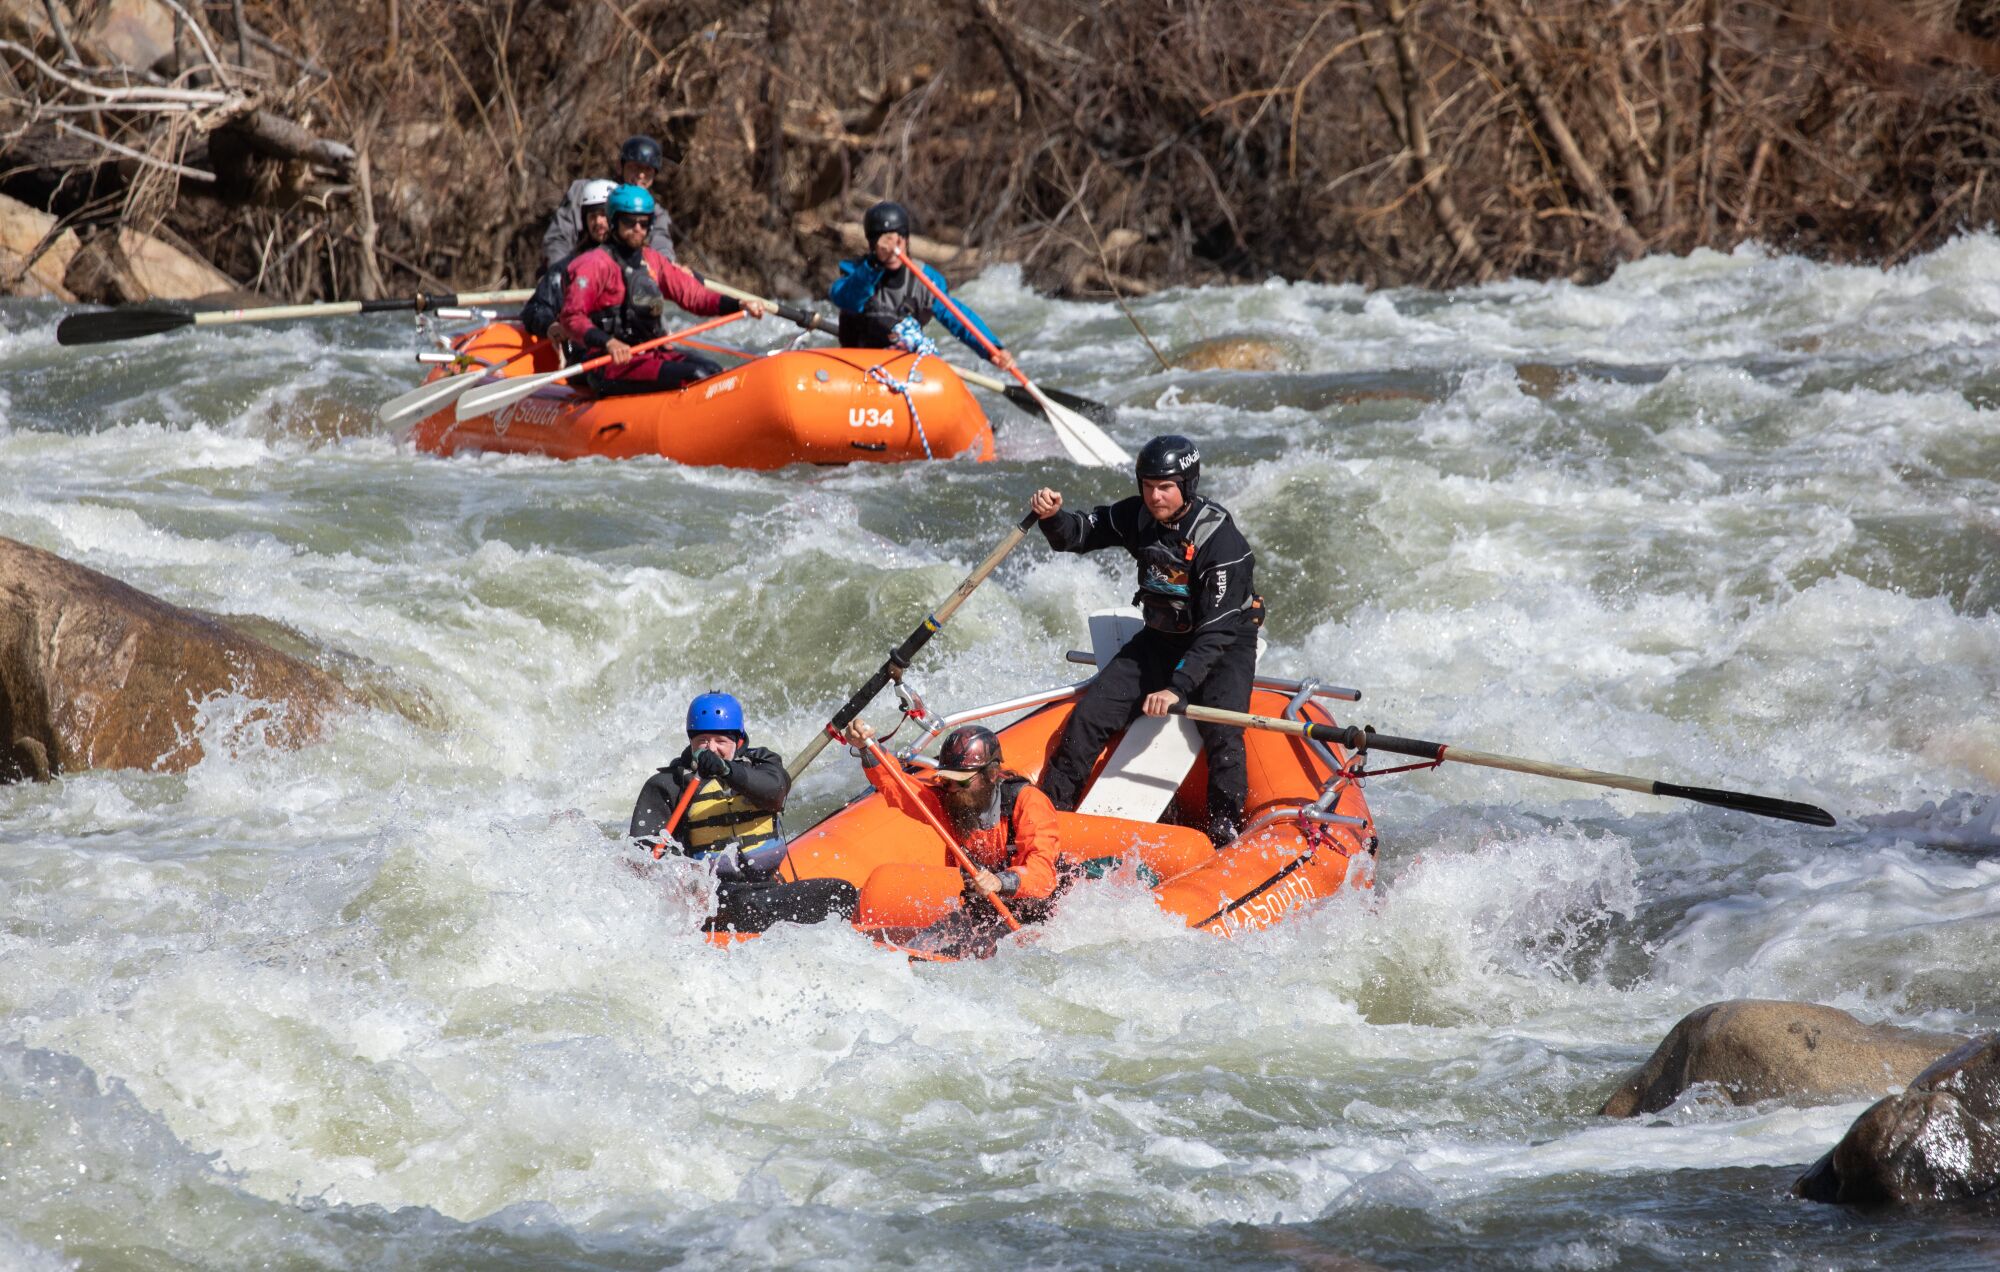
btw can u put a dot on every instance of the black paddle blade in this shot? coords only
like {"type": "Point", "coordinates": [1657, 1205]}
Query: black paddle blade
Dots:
{"type": "Point", "coordinates": [1759, 805]}
{"type": "Point", "coordinates": [119, 324]}
{"type": "Point", "coordinates": [1096, 412]}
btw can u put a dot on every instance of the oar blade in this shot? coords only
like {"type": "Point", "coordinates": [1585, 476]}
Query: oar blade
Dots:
{"type": "Point", "coordinates": [493, 397]}
{"type": "Point", "coordinates": [1086, 443]}
{"type": "Point", "coordinates": [107, 325]}
{"type": "Point", "coordinates": [1757, 805]}
{"type": "Point", "coordinates": [426, 398]}
{"type": "Point", "coordinates": [1091, 409]}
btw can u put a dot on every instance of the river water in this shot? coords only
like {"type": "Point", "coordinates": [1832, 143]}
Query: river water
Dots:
{"type": "Point", "coordinates": [396, 1000]}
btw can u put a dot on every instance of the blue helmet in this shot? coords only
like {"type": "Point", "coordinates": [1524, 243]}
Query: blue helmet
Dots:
{"type": "Point", "coordinates": [716, 713]}
{"type": "Point", "coordinates": [631, 200]}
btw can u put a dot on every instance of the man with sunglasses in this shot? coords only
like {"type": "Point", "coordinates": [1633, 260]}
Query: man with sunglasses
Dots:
{"type": "Point", "coordinates": [615, 296]}
{"type": "Point", "coordinates": [1005, 826]}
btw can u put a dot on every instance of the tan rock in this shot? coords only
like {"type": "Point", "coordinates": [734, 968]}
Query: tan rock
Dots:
{"type": "Point", "coordinates": [134, 267]}
{"type": "Point", "coordinates": [1752, 1050]}
{"type": "Point", "coordinates": [22, 229]}
{"type": "Point", "coordinates": [28, 21]}
{"type": "Point", "coordinates": [1231, 353]}
{"type": "Point", "coordinates": [96, 674]}
{"type": "Point", "coordinates": [1540, 380]}
{"type": "Point", "coordinates": [134, 33]}
{"type": "Point", "coordinates": [167, 273]}
{"type": "Point", "coordinates": [1939, 1141]}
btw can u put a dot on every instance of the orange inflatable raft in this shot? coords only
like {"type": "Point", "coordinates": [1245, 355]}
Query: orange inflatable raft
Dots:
{"type": "Point", "coordinates": [1307, 832]}
{"type": "Point", "coordinates": [802, 406]}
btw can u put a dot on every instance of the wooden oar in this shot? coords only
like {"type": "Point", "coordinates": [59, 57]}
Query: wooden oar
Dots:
{"type": "Point", "coordinates": [1085, 442]}
{"type": "Point", "coordinates": [900, 657]}
{"type": "Point", "coordinates": [493, 397]}
{"type": "Point", "coordinates": [890, 766]}
{"type": "Point", "coordinates": [150, 320]}
{"type": "Point", "coordinates": [1366, 739]}
{"type": "Point", "coordinates": [1014, 393]}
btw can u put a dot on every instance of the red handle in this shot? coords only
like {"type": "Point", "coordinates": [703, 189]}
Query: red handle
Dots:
{"type": "Point", "coordinates": [959, 314]}
{"type": "Point", "coordinates": [674, 818]}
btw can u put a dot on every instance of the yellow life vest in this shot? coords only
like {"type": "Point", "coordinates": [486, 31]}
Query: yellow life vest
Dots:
{"type": "Point", "coordinates": [718, 816]}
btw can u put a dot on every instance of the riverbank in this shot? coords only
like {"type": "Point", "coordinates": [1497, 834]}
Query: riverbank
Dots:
{"type": "Point", "coordinates": [402, 145]}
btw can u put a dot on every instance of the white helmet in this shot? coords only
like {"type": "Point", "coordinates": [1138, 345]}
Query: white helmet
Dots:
{"type": "Point", "coordinates": [597, 193]}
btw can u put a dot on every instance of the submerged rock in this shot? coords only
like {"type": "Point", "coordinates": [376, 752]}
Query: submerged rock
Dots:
{"type": "Point", "coordinates": [1752, 1049]}
{"type": "Point", "coordinates": [1231, 353]}
{"type": "Point", "coordinates": [96, 674]}
{"type": "Point", "coordinates": [1937, 1141]}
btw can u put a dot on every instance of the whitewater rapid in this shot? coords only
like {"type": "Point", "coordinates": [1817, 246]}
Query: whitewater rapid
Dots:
{"type": "Point", "coordinates": [398, 1000]}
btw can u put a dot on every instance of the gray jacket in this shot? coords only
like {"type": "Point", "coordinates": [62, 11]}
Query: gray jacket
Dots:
{"type": "Point", "coordinates": [566, 228]}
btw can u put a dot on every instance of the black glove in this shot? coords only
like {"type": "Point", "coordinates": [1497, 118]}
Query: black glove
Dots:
{"type": "Point", "coordinates": [709, 764]}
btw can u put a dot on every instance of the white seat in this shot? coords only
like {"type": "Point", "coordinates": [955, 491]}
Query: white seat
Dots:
{"type": "Point", "coordinates": [1153, 758]}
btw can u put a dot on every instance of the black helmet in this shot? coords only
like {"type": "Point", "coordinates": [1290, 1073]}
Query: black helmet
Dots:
{"type": "Point", "coordinates": [967, 750]}
{"type": "Point", "coordinates": [642, 149]}
{"type": "Point", "coordinates": [1171, 456]}
{"type": "Point", "coordinates": [885, 218]}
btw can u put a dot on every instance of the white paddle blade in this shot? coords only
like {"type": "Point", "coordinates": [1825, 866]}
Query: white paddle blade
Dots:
{"type": "Point", "coordinates": [425, 398]}
{"type": "Point", "coordinates": [492, 397]}
{"type": "Point", "coordinates": [1086, 443]}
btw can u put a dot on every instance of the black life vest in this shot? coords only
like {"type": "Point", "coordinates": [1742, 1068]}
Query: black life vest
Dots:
{"type": "Point", "coordinates": [898, 294]}
{"type": "Point", "coordinates": [638, 317]}
{"type": "Point", "coordinates": [1166, 571]}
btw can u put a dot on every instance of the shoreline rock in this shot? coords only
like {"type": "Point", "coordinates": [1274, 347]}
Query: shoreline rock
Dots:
{"type": "Point", "coordinates": [97, 674]}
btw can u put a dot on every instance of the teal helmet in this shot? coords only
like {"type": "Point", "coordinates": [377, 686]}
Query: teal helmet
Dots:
{"type": "Point", "coordinates": [631, 200]}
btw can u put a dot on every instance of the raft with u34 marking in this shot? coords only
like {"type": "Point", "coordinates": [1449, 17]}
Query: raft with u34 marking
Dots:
{"type": "Point", "coordinates": [800, 406]}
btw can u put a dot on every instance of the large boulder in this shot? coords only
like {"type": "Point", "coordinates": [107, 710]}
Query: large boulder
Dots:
{"type": "Point", "coordinates": [96, 674]}
{"type": "Point", "coordinates": [33, 259]}
{"type": "Point", "coordinates": [129, 268]}
{"type": "Point", "coordinates": [1750, 1050]}
{"type": "Point", "coordinates": [1937, 1141]}
{"type": "Point", "coordinates": [134, 33]}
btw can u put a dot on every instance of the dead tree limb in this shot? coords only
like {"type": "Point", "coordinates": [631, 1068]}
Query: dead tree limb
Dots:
{"type": "Point", "coordinates": [280, 138]}
{"type": "Point", "coordinates": [1528, 77]}
{"type": "Point", "coordinates": [1417, 137]}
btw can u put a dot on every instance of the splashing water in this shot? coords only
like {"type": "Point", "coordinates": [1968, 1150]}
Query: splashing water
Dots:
{"type": "Point", "coordinates": [396, 999]}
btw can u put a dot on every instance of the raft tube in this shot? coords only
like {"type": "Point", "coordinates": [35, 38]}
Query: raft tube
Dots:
{"type": "Point", "coordinates": [802, 406]}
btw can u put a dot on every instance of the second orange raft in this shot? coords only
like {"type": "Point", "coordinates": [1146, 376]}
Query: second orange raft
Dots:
{"type": "Point", "coordinates": [801, 406]}
{"type": "Point", "coordinates": [1307, 832]}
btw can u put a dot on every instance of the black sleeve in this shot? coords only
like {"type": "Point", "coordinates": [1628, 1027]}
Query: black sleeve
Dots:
{"type": "Point", "coordinates": [542, 309]}
{"type": "Point", "coordinates": [656, 802]}
{"type": "Point", "coordinates": [758, 774]}
{"type": "Point", "coordinates": [1085, 532]}
{"type": "Point", "coordinates": [1222, 590]}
